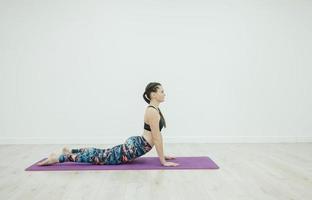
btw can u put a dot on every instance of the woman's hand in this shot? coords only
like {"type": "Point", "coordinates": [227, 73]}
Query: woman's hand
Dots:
{"type": "Point", "coordinates": [169, 164]}
{"type": "Point", "coordinates": [169, 157]}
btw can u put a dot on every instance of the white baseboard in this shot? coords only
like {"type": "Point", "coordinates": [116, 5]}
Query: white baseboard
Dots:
{"type": "Point", "coordinates": [180, 139]}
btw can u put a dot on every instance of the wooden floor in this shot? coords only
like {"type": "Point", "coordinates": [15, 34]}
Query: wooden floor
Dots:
{"type": "Point", "coordinates": [247, 171]}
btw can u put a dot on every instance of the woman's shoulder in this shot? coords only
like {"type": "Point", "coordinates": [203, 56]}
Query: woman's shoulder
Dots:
{"type": "Point", "coordinates": [152, 112]}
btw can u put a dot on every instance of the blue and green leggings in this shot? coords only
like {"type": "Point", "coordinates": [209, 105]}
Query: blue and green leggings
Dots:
{"type": "Point", "coordinates": [134, 147]}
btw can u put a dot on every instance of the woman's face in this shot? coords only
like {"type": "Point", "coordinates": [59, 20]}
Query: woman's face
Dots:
{"type": "Point", "coordinates": [160, 94]}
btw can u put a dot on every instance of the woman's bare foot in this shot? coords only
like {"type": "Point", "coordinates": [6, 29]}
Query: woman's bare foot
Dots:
{"type": "Point", "coordinates": [66, 150]}
{"type": "Point", "coordinates": [52, 159]}
{"type": "Point", "coordinates": [69, 153]}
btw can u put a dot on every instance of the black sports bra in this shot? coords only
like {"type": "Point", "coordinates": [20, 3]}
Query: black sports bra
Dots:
{"type": "Point", "coordinates": [161, 121]}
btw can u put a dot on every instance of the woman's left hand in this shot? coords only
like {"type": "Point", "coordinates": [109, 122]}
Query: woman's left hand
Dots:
{"type": "Point", "coordinates": [169, 157]}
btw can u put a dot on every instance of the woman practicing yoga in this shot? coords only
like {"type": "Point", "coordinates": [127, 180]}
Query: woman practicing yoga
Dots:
{"type": "Point", "coordinates": [134, 146]}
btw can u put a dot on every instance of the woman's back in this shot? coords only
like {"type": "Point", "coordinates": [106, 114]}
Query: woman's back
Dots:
{"type": "Point", "coordinates": [147, 134]}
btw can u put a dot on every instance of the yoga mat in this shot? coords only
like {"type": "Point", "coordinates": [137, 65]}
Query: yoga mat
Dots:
{"type": "Point", "coordinates": [141, 163]}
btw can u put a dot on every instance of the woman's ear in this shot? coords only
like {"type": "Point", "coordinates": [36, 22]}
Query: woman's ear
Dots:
{"type": "Point", "coordinates": [152, 95]}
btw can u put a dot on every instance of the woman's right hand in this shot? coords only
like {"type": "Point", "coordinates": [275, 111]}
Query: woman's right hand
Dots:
{"type": "Point", "coordinates": [169, 164]}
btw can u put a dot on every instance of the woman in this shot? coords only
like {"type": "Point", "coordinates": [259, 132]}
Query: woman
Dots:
{"type": "Point", "coordinates": [134, 146]}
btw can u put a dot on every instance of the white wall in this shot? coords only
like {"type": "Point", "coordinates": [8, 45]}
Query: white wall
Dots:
{"type": "Point", "coordinates": [233, 71]}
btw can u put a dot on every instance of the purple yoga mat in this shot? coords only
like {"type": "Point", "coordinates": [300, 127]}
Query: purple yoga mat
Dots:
{"type": "Point", "coordinates": [141, 163]}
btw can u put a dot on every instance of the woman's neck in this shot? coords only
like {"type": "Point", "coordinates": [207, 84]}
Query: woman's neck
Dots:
{"type": "Point", "coordinates": [155, 104]}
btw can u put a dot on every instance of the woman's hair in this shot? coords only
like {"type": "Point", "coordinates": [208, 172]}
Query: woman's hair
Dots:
{"type": "Point", "coordinates": [152, 87]}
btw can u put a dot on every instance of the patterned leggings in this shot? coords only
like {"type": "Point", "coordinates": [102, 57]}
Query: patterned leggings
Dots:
{"type": "Point", "coordinates": [134, 147]}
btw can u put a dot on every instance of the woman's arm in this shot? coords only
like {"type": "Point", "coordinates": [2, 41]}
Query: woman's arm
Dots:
{"type": "Point", "coordinates": [153, 119]}
{"type": "Point", "coordinates": [157, 140]}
